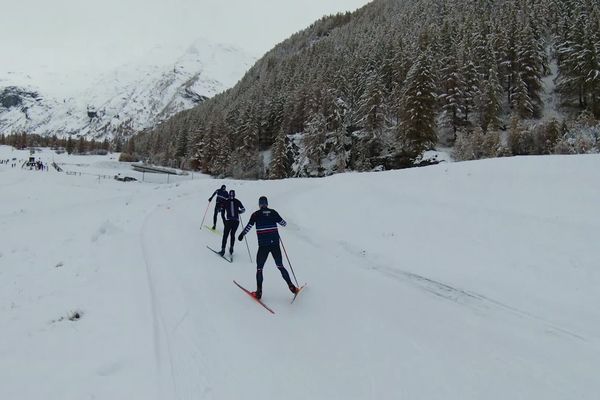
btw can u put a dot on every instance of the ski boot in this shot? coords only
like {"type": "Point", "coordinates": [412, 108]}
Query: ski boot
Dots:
{"type": "Point", "coordinates": [222, 253]}
{"type": "Point", "coordinates": [231, 251]}
{"type": "Point", "coordinates": [257, 295]}
{"type": "Point", "coordinates": [294, 289]}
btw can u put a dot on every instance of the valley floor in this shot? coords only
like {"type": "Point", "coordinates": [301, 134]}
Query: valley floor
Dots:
{"type": "Point", "coordinates": [474, 280]}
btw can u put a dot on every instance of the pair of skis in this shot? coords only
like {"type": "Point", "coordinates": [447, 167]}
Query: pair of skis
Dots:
{"type": "Point", "coordinates": [249, 293]}
{"type": "Point", "coordinates": [230, 259]}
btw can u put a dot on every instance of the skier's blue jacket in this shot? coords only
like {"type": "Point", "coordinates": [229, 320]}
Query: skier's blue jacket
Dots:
{"type": "Point", "coordinates": [266, 221]}
{"type": "Point", "coordinates": [222, 196]}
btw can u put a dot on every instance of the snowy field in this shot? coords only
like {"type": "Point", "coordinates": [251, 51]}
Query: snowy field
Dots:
{"type": "Point", "coordinates": [477, 280]}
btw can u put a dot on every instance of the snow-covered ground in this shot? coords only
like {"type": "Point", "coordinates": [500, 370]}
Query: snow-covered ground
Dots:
{"type": "Point", "coordinates": [474, 280]}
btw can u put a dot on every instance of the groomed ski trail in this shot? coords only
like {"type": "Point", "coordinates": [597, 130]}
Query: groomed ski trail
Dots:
{"type": "Point", "coordinates": [362, 327]}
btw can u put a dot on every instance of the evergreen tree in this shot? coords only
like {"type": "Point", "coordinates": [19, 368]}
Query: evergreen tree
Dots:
{"type": "Point", "coordinates": [207, 149]}
{"type": "Point", "coordinates": [417, 129]}
{"type": "Point", "coordinates": [118, 145]}
{"type": "Point", "coordinates": [81, 146]}
{"type": "Point", "coordinates": [248, 160]}
{"type": "Point", "coordinates": [452, 96]}
{"type": "Point", "coordinates": [70, 145]}
{"type": "Point", "coordinates": [472, 88]}
{"type": "Point", "coordinates": [531, 61]}
{"type": "Point", "coordinates": [490, 105]}
{"type": "Point", "coordinates": [131, 146]}
{"type": "Point", "coordinates": [278, 168]}
{"type": "Point", "coordinates": [182, 144]}
{"type": "Point", "coordinates": [314, 142]}
{"type": "Point", "coordinates": [521, 102]}
{"type": "Point", "coordinates": [372, 103]}
{"type": "Point", "coordinates": [221, 163]}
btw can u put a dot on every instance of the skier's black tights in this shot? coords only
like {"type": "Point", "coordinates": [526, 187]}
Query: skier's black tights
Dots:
{"type": "Point", "coordinates": [261, 258]}
{"type": "Point", "coordinates": [230, 228]}
{"type": "Point", "coordinates": [219, 209]}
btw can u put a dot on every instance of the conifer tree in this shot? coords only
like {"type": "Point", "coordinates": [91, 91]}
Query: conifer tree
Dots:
{"type": "Point", "coordinates": [490, 105]}
{"type": "Point", "coordinates": [70, 145]}
{"type": "Point", "coordinates": [452, 96]}
{"type": "Point", "coordinates": [417, 127]}
{"type": "Point", "coordinates": [372, 103]}
{"type": "Point", "coordinates": [278, 168]}
{"type": "Point", "coordinates": [182, 144]}
{"type": "Point", "coordinates": [314, 142]}
{"type": "Point", "coordinates": [531, 66]}
{"type": "Point", "coordinates": [81, 146]}
{"type": "Point", "coordinates": [472, 88]}
{"type": "Point", "coordinates": [521, 102]}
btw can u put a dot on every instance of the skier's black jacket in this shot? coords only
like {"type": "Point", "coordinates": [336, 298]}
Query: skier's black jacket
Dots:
{"type": "Point", "coordinates": [222, 197]}
{"type": "Point", "coordinates": [233, 209]}
{"type": "Point", "coordinates": [266, 221]}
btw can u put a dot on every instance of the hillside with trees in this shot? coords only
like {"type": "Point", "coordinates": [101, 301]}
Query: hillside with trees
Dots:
{"type": "Point", "coordinates": [374, 89]}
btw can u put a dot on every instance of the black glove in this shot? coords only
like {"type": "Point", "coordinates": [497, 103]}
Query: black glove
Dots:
{"type": "Point", "coordinates": [209, 200]}
{"type": "Point", "coordinates": [241, 237]}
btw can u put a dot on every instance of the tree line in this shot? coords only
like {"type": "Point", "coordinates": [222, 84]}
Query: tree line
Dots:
{"type": "Point", "coordinates": [71, 145]}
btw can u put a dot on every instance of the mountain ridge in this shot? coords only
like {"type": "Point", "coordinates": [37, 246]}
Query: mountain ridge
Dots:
{"type": "Point", "coordinates": [124, 101]}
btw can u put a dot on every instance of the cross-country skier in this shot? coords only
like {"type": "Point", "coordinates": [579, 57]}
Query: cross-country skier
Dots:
{"type": "Point", "coordinates": [233, 209]}
{"type": "Point", "coordinates": [266, 221]}
{"type": "Point", "coordinates": [222, 197]}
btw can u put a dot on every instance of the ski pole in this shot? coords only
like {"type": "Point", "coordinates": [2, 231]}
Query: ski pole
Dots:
{"type": "Point", "coordinates": [246, 239]}
{"type": "Point", "coordinates": [288, 260]}
{"type": "Point", "coordinates": [203, 218]}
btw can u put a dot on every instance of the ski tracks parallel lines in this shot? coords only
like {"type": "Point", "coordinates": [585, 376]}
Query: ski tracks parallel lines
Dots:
{"type": "Point", "coordinates": [157, 317]}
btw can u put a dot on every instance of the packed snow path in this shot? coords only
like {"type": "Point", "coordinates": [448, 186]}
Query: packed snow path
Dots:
{"type": "Point", "coordinates": [459, 281]}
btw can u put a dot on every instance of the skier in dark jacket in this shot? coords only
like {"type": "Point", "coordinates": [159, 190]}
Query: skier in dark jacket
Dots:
{"type": "Point", "coordinates": [266, 221]}
{"type": "Point", "coordinates": [233, 209]}
{"type": "Point", "coordinates": [222, 197]}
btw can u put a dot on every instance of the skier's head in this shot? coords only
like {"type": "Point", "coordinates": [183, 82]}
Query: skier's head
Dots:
{"type": "Point", "coordinates": [263, 202]}
{"type": "Point", "coordinates": [223, 187]}
{"type": "Point", "coordinates": [232, 194]}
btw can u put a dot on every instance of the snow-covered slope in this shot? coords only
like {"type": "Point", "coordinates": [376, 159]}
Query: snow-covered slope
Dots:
{"type": "Point", "coordinates": [474, 280]}
{"type": "Point", "coordinates": [132, 98]}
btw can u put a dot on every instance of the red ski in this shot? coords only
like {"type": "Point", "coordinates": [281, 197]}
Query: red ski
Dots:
{"type": "Point", "coordinates": [254, 298]}
{"type": "Point", "coordinates": [298, 292]}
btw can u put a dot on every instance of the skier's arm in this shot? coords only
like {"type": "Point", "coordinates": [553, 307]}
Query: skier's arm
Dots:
{"type": "Point", "coordinates": [213, 195]}
{"type": "Point", "coordinates": [280, 220]}
{"type": "Point", "coordinates": [241, 207]}
{"type": "Point", "coordinates": [248, 227]}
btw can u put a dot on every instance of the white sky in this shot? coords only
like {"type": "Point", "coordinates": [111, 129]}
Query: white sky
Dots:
{"type": "Point", "coordinates": [51, 37]}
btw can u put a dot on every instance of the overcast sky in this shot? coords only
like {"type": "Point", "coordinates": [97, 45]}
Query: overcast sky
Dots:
{"type": "Point", "coordinates": [51, 36]}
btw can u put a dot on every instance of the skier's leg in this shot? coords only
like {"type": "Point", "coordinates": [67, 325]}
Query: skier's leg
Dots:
{"type": "Point", "coordinates": [234, 227]}
{"type": "Point", "coordinates": [215, 216]}
{"type": "Point", "coordinates": [226, 230]}
{"type": "Point", "coordinates": [276, 251]}
{"type": "Point", "coordinates": [223, 215]}
{"type": "Point", "coordinates": [261, 258]}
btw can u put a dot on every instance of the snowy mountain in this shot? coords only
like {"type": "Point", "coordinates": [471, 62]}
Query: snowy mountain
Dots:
{"type": "Point", "coordinates": [129, 99]}
{"type": "Point", "coordinates": [469, 281]}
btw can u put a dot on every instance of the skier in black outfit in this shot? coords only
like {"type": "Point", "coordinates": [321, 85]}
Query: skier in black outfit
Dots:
{"type": "Point", "coordinates": [233, 209]}
{"type": "Point", "coordinates": [222, 197]}
{"type": "Point", "coordinates": [266, 221]}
